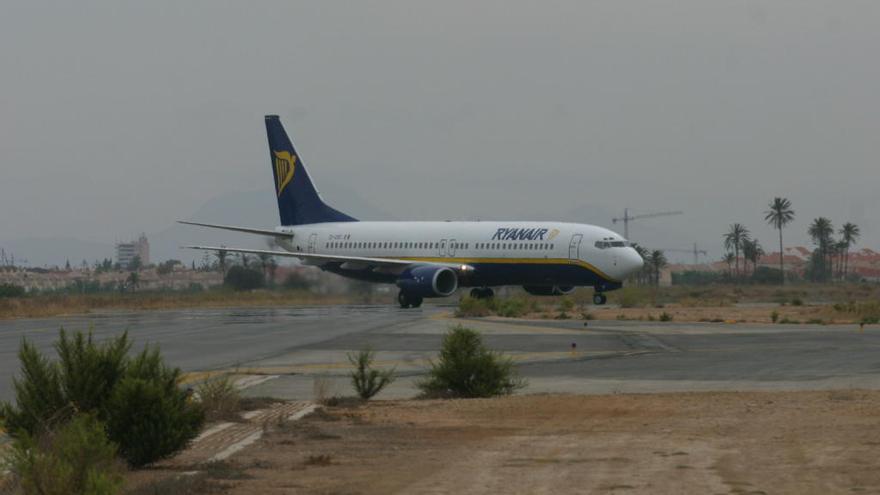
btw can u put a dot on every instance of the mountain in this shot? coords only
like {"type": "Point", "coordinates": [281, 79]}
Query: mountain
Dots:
{"type": "Point", "coordinates": [249, 208]}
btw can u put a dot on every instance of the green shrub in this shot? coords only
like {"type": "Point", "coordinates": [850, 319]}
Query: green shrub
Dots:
{"type": "Point", "coordinates": [870, 320]}
{"type": "Point", "coordinates": [296, 281]}
{"type": "Point", "coordinates": [11, 290]}
{"type": "Point", "coordinates": [473, 307]}
{"type": "Point", "coordinates": [367, 381]}
{"type": "Point", "coordinates": [512, 308]}
{"type": "Point", "coordinates": [774, 316]}
{"type": "Point", "coordinates": [797, 302]}
{"type": "Point", "coordinates": [466, 368]}
{"type": "Point", "coordinates": [81, 380]}
{"type": "Point", "coordinates": [149, 416]}
{"type": "Point", "coordinates": [664, 316]}
{"type": "Point", "coordinates": [145, 413]}
{"type": "Point", "coordinates": [77, 458]}
{"type": "Point", "coordinates": [219, 398]}
{"type": "Point", "coordinates": [242, 278]}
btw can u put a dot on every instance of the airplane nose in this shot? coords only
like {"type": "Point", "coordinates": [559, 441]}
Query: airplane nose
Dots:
{"type": "Point", "coordinates": [631, 261]}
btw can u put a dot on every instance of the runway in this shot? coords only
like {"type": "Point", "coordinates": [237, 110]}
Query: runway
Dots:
{"type": "Point", "coordinates": [289, 352]}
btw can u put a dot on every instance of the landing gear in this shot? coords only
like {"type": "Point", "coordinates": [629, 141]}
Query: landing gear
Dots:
{"type": "Point", "coordinates": [599, 299]}
{"type": "Point", "coordinates": [482, 293]}
{"type": "Point", "coordinates": [408, 300]}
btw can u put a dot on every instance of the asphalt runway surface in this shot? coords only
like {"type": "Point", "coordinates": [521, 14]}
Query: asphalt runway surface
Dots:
{"type": "Point", "coordinates": [293, 352]}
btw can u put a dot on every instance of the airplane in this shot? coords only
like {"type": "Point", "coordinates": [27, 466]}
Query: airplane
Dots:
{"type": "Point", "coordinates": [434, 259]}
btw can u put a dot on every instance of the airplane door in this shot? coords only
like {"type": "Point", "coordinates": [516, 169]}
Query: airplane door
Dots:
{"type": "Point", "coordinates": [452, 247]}
{"type": "Point", "coordinates": [313, 241]}
{"type": "Point", "coordinates": [442, 250]}
{"type": "Point", "coordinates": [574, 247]}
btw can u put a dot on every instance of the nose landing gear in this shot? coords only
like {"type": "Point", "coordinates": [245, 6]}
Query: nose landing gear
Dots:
{"type": "Point", "coordinates": [599, 299]}
{"type": "Point", "coordinates": [408, 300]}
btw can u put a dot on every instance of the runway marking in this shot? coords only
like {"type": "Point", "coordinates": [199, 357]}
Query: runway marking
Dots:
{"type": "Point", "coordinates": [214, 429]}
{"type": "Point", "coordinates": [226, 453]}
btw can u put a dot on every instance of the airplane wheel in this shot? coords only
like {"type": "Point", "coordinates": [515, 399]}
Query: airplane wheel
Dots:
{"type": "Point", "coordinates": [415, 301]}
{"type": "Point", "coordinates": [482, 293]}
{"type": "Point", "coordinates": [599, 299]}
{"type": "Point", "coordinates": [403, 300]}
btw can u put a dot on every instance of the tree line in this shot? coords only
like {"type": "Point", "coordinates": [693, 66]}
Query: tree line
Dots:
{"type": "Point", "coordinates": [828, 262]}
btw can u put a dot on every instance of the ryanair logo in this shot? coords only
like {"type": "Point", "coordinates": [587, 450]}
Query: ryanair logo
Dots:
{"type": "Point", "coordinates": [504, 234]}
{"type": "Point", "coordinates": [285, 164]}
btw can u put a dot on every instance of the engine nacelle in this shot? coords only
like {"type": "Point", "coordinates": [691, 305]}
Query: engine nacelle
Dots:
{"type": "Point", "coordinates": [428, 281]}
{"type": "Point", "coordinates": [549, 290]}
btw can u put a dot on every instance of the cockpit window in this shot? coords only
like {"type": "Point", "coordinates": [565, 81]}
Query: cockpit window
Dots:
{"type": "Point", "coordinates": [609, 243]}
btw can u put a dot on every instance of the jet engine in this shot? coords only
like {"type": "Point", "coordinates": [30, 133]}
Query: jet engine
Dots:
{"type": "Point", "coordinates": [428, 281]}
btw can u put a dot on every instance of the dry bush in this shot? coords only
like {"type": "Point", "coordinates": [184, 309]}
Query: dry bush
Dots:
{"type": "Point", "coordinates": [220, 399]}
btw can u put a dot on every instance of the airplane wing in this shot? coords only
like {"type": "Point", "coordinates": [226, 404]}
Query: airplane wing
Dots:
{"type": "Point", "coordinates": [390, 265]}
{"type": "Point", "coordinates": [246, 230]}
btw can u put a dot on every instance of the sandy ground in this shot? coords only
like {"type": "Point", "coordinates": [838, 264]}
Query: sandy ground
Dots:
{"type": "Point", "coordinates": [788, 442]}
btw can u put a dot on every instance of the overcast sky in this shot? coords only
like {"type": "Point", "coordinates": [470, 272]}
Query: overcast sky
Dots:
{"type": "Point", "coordinates": [120, 117]}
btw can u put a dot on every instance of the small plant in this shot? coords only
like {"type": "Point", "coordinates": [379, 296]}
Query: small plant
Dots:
{"type": "Point", "coordinates": [219, 398]}
{"type": "Point", "coordinates": [664, 316]}
{"type": "Point", "coordinates": [816, 321]}
{"type": "Point", "coordinates": [797, 302]}
{"type": "Point", "coordinates": [870, 320]}
{"type": "Point", "coordinates": [367, 381]}
{"type": "Point", "coordinates": [774, 316]}
{"type": "Point", "coordinates": [76, 458]}
{"type": "Point", "coordinates": [787, 321]}
{"type": "Point", "coordinates": [566, 305]}
{"type": "Point", "coordinates": [586, 315]}
{"type": "Point", "coordinates": [473, 307]}
{"type": "Point", "coordinates": [467, 368]}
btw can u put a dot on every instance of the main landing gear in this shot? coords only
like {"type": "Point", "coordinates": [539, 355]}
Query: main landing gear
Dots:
{"type": "Point", "coordinates": [408, 300]}
{"type": "Point", "coordinates": [482, 293]}
{"type": "Point", "coordinates": [599, 299]}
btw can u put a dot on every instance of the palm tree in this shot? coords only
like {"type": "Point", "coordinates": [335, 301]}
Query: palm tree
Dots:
{"type": "Point", "coordinates": [779, 215]}
{"type": "Point", "coordinates": [752, 251]}
{"type": "Point", "coordinates": [657, 262]}
{"type": "Point", "coordinates": [820, 231]}
{"type": "Point", "coordinates": [728, 258]}
{"type": "Point", "coordinates": [850, 233]}
{"type": "Point", "coordinates": [734, 239]}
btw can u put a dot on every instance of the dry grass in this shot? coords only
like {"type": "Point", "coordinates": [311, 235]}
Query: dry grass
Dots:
{"type": "Point", "coordinates": [54, 305]}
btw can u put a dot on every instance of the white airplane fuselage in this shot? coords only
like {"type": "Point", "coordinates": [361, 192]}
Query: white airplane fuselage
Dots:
{"type": "Point", "coordinates": [498, 253]}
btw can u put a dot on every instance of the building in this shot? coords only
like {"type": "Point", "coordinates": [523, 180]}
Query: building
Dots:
{"type": "Point", "coordinates": [127, 251]}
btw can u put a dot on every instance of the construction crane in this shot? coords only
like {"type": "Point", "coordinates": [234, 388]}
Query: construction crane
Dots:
{"type": "Point", "coordinates": [627, 218]}
{"type": "Point", "coordinates": [696, 252]}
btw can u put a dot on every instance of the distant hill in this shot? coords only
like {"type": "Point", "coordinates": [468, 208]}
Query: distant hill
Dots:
{"type": "Point", "coordinates": [249, 208]}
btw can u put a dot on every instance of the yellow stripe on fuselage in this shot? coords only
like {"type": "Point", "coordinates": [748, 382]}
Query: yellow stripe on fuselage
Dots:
{"type": "Point", "coordinates": [514, 261]}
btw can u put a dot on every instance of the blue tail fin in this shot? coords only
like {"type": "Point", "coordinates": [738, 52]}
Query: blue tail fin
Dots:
{"type": "Point", "coordinates": [298, 200]}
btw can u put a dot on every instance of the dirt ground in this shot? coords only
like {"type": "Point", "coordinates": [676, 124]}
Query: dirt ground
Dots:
{"type": "Point", "coordinates": [790, 442]}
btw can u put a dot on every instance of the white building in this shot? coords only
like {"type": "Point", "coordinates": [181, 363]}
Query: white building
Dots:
{"type": "Point", "coordinates": [127, 251]}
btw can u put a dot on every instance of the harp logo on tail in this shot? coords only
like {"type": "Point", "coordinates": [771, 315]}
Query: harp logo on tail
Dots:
{"type": "Point", "coordinates": [285, 164]}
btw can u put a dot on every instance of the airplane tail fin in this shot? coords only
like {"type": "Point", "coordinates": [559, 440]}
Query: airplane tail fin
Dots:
{"type": "Point", "coordinates": [298, 200]}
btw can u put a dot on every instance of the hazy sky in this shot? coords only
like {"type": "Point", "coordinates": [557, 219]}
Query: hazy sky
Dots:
{"type": "Point", "coordinates": [120, 117]}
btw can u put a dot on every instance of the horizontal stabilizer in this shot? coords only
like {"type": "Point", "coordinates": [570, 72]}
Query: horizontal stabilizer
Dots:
{"type": "Point", "coordinates": [246, 230]}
